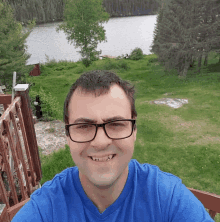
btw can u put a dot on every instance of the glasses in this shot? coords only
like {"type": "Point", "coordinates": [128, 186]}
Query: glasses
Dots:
{"type": "Point", "coordinates": [86, 132]}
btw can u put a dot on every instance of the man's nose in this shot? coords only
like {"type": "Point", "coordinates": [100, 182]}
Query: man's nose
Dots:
{"type": "Point", "coordinates": [101, 135]}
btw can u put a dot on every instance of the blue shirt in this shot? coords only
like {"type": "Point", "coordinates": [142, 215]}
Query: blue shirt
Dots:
{"type": "Point", "coordinates": [148, 195]}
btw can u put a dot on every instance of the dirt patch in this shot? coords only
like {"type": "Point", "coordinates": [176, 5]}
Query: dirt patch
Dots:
{"type": "Point", "coordinates": [50, 135]}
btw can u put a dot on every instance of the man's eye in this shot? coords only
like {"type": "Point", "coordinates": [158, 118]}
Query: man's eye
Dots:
{"type": "Point", "coordinates": [83, 126]}
{"type": "Point", "coordinates": [115, 124]}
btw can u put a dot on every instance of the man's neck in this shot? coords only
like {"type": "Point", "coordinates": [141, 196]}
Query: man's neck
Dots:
{"type": "Point", "coordinates": [102, 198]}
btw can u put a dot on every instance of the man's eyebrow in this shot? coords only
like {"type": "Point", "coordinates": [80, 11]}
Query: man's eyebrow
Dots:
{"type": "Point", "coordinates": [87, 120]}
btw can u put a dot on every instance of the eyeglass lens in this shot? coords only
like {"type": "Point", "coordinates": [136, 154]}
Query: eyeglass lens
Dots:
{"type": "Point", "coordinates": [83, 132]}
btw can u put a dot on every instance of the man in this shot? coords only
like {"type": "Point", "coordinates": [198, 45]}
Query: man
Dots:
{"type": "Point", "coordinates": [106, 184]}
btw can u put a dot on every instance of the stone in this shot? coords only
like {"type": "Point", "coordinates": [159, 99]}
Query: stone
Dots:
{"type": "Point", "coordinates": [174, 103]}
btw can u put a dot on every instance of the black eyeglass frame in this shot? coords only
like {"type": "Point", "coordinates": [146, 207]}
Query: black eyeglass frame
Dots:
{"type": "Point", "coordinates": [101, 125]}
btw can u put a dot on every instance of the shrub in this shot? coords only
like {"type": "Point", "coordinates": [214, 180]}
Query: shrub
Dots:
{"type": "Point", "coordinates": [79, 70]}
{"type": "Point", "coordinates": [86, 62]}
{"type": "Point", "coordinates": [119, 57]}
{"type": "Point", "coordinates": [124, 65]}
{"type": "Point", "coordinates": [123, 57]}
{"type": "Point", "coordinates": [49, 105]}
{"type": "Point", "coordinates": [50, 63]}
{"type": "Point", "coordinates": [94, 56]}
{"type": "Point", "coordinates": [110, 65]}
{"type": "Point", "coordinates": [137, 54]}
{"type": "Point", "coordinates": [152, 60]}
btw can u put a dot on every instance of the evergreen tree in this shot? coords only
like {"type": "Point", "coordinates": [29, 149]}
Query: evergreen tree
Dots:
{"type": "Point", "coordinates": [168, 43]}
{"type": "Point", "coordinates": [82, 18]}
{"type": "Point", "coordinates": [39, 10]}
{"type": "Point", "coordinates": [12, 46]}
{"type": "Point", "coordinates": [155, 47]}
{"type": "Point", "coordinates": [212, 23]}
{"type": "Point", "coordinates": [175, 41]}
{"type": "Point", "coordinates": [207, 30]}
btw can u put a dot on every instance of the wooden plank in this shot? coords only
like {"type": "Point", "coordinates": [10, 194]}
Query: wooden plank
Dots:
{"type": "Point", "coordinates": [12, 211]}
{"type": "Point", "coordinates": [5, 98]}
{"type": "Point", "coordinates": [30, 133]}
{"type": "Point", "coordinates": [27, 148]}
{"type": "Point", "coordinates": [209, 200]}
{"type": "Point", "coordinates": [4, 216]}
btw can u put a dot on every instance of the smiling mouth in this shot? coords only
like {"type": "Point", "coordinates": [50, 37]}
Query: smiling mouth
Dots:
{"type": "Point", "coordinates": [104, 159]}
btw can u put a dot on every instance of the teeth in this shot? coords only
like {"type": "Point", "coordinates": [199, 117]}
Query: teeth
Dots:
{"type": "Point", "coordinates": [102, 159]}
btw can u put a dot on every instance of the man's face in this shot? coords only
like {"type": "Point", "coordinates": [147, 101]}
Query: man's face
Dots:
{"type": "Point", "coordinates": [114, 103]}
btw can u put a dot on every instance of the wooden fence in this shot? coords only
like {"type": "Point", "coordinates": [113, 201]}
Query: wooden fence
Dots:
{"type": "Point", "coordinates": [18, 138]}
{"type": "Point", "coordinates": [210, 201]}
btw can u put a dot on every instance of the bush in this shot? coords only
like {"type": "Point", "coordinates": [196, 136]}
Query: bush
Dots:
{"type": "Point", "coordinates": [110, 65]}
{"type": "Point", "coordinates": [137, 54]}
{"type": "Point", "coordinates": [86, 62]}
{"type": "Point", "coordinates": [124, 65]}
{"type": "Point", "coordinates": [122, 57]}
{"type": "Point", "coordinates": [94, 56]}
{"type": "Point", "coordinates": [50, 63]}
{"type": "Point", "coordinates": [49, 105]}
{"type": "Point", "coordinates": [152, 60]}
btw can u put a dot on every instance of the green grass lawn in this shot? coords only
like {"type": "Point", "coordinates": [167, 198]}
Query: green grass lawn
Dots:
{"type": "Point", "coordinates": [183, 141]}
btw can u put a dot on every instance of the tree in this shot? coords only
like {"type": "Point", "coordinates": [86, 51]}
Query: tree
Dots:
{"type": "Point", "coordinates": [171, 42]}
{"type": "Point", "coordinates": [12, 45]}
{"type": "Point", "coordinates": [82, 18]}
{"type": "Point", "coordinates": [177, 41]}
{"type": "Point", "coordinates": [213, 28]}
{"type": "Point", "coordinates": [208, 35]}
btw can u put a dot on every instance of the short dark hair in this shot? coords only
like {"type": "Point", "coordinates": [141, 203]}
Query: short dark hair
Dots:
{"type": "Point", "coordinates": [98, 83]}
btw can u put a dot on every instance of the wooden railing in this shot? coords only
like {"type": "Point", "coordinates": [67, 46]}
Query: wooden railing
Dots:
{"type": "Point", "coordinates": [210, 201]}
{"type": "Point", "coordinates": [20, 143]}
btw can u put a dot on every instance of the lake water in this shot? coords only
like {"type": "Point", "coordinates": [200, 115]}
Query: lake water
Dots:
{"type": "Point", "coordinates": [123, 35]}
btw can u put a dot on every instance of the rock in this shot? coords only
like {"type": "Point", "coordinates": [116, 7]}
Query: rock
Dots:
{"type": "Point", "coordinates": [174, 103]}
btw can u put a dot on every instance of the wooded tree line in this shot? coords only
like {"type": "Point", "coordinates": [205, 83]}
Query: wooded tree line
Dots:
{"type": "Point", "coordinates": [52, 10]}
{"type": "Point", "coordinates": [186, 31]}
{"type": "Point", "coordinates": [16, 14]}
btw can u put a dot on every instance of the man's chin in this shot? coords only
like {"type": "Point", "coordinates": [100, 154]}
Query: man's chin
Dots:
{"type": "Point", "coordinates": [102, 182]}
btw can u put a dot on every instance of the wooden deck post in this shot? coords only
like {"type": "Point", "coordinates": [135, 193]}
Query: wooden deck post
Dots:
{"type": "Point", "coordinates": [23, 90]}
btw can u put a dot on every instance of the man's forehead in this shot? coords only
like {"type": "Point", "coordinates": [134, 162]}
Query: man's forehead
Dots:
{"type": "Point", "coordinates": [116, 103]}
{"type": "Point", "coordinates": [115, 91]}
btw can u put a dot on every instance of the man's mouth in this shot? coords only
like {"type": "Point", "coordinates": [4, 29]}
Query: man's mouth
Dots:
{"type": "Point", "coordinates": [103, 159]}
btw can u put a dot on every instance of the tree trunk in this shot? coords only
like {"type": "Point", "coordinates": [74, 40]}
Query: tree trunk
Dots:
{"type": "Point", "coordinates": [206, 59]}
{"type": "Point", "coordinates": [185, 69]}
{"type": "Point", "coordinates": [192, 61]}
{"type": "Point", "coordinates": [199, 63]}
{"type": "Point", "coordinates": [181, 69]}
